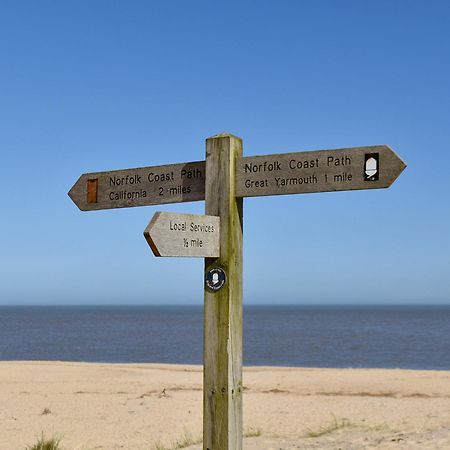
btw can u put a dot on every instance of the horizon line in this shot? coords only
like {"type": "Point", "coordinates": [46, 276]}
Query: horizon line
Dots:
{"type": "Point", "coordinates": [201, 304]}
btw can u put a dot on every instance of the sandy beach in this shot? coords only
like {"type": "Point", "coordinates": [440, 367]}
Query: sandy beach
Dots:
{"type": "Point", "coordinates": [155, 407]}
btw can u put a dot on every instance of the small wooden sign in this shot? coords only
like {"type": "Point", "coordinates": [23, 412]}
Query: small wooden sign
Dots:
{"type": "Point", "coordinates": [172, 234]}
{"type": "Point", "coordinates": [173, 183]}
{"type": "Point", "coordinates": [318, 171]}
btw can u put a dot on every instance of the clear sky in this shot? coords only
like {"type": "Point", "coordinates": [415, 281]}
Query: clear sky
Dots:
{"type": "Point", "coordinates": [98, 85]}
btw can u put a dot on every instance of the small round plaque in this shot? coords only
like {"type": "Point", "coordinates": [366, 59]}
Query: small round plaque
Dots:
{"type": "Point", "coordinates": [215, 279]}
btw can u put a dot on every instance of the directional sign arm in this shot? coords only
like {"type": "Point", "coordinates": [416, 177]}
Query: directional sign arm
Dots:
{"type": "Point", "coordinates": [190, 235]}
{"type": "Point", "coordinates": [143, 186]}
{"type": "Point", "coordinates": [342, 169]}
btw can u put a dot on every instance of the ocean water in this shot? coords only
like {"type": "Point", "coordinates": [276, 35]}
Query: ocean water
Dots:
{"type": "Point", "coordinates": [414, 337]}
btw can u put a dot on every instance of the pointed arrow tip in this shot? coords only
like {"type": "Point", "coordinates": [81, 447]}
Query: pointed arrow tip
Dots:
{"type": "Point", "coordinates": [403, 165]}
{"type": "Point", "coordinates": [148, 236]}
{"type": "Point", "coordinates": [75, 194]}
{"type": "Point", "coordinates": [399, 164]}
{"type": "Point", "coordinates": [152, 245]}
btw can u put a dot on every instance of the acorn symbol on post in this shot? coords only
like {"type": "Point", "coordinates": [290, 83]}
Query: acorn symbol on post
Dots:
{"type": "Point", "coordinates": [215, 279]}
{"type": "Point", "coordinates": [371, 167]}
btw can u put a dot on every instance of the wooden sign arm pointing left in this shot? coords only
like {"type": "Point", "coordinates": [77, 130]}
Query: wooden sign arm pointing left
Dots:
{"type": "Point", "coordinates": [172, 183]}
{"type": "Point", "coordinates": [189, 235]}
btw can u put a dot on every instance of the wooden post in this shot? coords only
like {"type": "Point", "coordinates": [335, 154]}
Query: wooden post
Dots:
{"type": "Point", "coordinates": [222, 356]}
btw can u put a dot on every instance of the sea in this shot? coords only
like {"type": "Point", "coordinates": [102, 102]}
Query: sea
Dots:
{"type": "Point", "coordinates": [407, 337]}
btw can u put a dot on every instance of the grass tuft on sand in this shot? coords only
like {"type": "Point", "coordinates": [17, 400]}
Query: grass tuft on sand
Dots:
{"type": "Point", "coordinates": [334, 425]}
{"type": "Point", "coordinates": [46, 444]}
{"type": "Point", "coordinates": [252, 432]}
{"type": "Point", "coordinates": [185, 441]}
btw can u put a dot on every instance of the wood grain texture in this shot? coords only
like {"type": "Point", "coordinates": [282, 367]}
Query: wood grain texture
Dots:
{"type": "Point", "coordinates": [315, 171]}
{"type": "Point", "coordinates": [183, 235]}
{"type": "Point", "coordinates": [222, 389]}
{"type": "Point", "coordinates": [172, 183]}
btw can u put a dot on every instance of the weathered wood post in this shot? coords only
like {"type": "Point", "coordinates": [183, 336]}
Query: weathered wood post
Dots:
{"type": "Point", "coordinates": [222, 358]}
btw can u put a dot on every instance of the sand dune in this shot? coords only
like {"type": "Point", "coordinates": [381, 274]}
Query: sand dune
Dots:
{"type": "Point", "coordinates": [146, 406]}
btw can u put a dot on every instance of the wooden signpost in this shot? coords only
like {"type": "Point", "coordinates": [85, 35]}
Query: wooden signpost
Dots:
{"type": "Point", "coordinates": [222, 180]}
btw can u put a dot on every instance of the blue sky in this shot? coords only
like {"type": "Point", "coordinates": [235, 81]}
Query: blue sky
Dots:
{"type": "Point", "coordinates": [97, 85]}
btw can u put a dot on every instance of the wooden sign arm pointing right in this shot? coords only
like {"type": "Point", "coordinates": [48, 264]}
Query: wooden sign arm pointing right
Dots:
{"type": "Point", "coordinates": [343, 169]}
